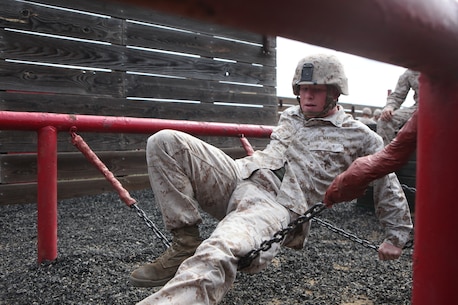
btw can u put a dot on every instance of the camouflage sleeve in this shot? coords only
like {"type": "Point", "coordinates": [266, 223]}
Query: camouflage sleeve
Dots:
{"type": "Point", "coordinates": [391, 208]}
{"type": "Point", "coordinates": [398, 96]}
{"type": "Point", "coordinates": [284, 131]}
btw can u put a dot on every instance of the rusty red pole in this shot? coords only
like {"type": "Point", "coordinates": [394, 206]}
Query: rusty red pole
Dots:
{"type": "Point", "coordinates": [13, 120]}
{"type": "Point", "coordinates": [435, 266]}
{"type": "Point", "coordinates": [47, 193]}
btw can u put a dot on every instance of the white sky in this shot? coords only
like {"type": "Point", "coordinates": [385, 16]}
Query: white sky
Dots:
{"type": "Point", "coordinates": [368, 80]}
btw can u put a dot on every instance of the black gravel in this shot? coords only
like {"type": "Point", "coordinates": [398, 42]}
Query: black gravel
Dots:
{"type": "Point", "coordinates": [101, 241]}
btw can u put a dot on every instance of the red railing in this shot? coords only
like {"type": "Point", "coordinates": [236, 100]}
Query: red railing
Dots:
{"type": "Point", "coordinates": [48, 125]}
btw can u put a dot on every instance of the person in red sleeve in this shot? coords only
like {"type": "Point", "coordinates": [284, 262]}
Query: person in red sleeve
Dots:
{"type": "Point", "coordinates": [353, 182]}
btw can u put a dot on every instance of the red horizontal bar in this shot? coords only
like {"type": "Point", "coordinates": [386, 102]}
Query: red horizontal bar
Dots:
{"type": "Point", "coordinates": [48, 124]}
{"type": "Point", "coordinates": [11, 120]}
{"type": "Point", "coordinates": [418, 34]}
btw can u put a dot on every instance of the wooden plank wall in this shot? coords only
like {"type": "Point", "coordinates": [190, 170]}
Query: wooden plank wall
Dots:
{"type": "Point", "coordinates": [93, 57]}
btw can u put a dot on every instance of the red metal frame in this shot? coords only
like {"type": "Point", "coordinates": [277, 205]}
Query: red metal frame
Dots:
{"type": "Point", "coordinates": [47, 193]}
{"type": "Point", "coordinates": [49, 124]}
{"type": "Point", "coordinates": [435, 266]}
{"type": "Point", "coordinates": [11, 120]}
{"type": "Point", "coordinates": [79, 143]}
{"type": "Point", "coordinates": [418, 34]}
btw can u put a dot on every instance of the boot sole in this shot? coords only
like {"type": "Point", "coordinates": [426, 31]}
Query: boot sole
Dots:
{"type": "Point", "coordinates": [147, 283]}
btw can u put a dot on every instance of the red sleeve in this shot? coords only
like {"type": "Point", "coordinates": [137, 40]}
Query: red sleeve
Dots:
{"type": "Point", "coordinates": [352, 183]}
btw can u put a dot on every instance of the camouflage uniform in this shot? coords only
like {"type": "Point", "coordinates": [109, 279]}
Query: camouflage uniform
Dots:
{"type": "Point", "coordinates": [366, 117]}
{"type": "Point", "coordinates": [388, 129]}
{"type": "Point", "coordinates": [367, 121]}
{"type": "Point", "coordinates": [251, 201]}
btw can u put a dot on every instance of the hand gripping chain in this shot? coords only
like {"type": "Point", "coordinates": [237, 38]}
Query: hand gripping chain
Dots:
{"type": "Point", "coordinates": [246, 260]}
{"type": "Point", "coordinates": [353, 237]}
{"type": "Point", "coordinates": [279, 236]}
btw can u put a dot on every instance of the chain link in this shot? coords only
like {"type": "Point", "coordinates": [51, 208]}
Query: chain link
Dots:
{"type": "Point", "coordinates": [350, 236]}
{"type": "Point", "coordinates": [409, 188]}
{"type": "Point", "coordinates": [278, 237]}
{"type": "Point", "coordinates": [151, 225]}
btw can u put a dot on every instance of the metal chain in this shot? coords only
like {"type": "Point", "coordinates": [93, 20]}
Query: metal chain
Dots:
{"type": "Point", "coordinates": [350, 236]}
{"type": "Point", "coordinates": [409, 188]}
{"type": "Point", "coordinates": [151, 225]}
{"type": "Point", "coordinates": [278, 237]}
{"type": "Point", "coordinates": [409, 244]}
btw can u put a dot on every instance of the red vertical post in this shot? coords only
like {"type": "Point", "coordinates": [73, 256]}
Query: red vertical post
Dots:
{"type": "Point", "coordinates": [435, 266]}
{"type": "Point", "coordinates": [47, 193]}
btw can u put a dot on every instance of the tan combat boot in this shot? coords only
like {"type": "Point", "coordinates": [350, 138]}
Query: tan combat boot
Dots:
{"type": "Point", "coordinates": [161, 270]}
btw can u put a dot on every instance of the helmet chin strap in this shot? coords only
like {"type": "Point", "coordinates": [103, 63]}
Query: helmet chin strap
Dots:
{"type": "Point", "coordinates": [330, 104]}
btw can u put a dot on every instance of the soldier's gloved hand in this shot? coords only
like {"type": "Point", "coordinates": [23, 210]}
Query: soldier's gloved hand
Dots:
{"type": "Point", "coordinates": [350, 184]}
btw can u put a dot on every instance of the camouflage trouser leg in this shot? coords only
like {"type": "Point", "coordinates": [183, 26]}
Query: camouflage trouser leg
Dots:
{"type": "Point", "coordinates": [186, 173]}
{"type": "Point", "coordinates": [206, 277]}
{"type": "Point", "coordinates": [388, 129]}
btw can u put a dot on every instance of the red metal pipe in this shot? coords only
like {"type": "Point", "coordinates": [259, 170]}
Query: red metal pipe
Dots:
{"type": "Point", "coordinates": [435, 265]}
{"type": "Point", "coordinates": [92, 157]}
{"type": "Point", "coordinates": [48, 124]}
{"type": "Point", "coordinates": [419, 34]}
{"type": "Point", "coordinates": [90, 123]}
{"type": "Point", "coordinates": [47, 194]}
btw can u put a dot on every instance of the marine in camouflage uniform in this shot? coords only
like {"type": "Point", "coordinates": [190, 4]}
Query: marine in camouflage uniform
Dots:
{"type": "Point", "coordinates": [393, 117]}
{"type": "Point", "coordinates": [366, 117]}
{"type": "Point", "coordinates": [256, 196]}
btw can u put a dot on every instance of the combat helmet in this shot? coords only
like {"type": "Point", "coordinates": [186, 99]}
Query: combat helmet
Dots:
{"type": "Point", "coordinates": [320, 69]}
{"type": "Point", "coordinates": [367, 111]}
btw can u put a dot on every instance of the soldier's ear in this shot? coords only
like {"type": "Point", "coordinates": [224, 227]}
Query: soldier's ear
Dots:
{"type": "Point", "coordinates": [335, 93]}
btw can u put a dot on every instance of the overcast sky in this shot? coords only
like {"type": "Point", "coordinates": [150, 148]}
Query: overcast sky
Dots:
{"type": "Point", "coordinates": [368, 80]}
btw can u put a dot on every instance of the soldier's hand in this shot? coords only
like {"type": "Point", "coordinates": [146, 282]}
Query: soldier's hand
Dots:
{"type": "Point", "coordinates": [387, 251]}
{"type": "Point", "coordinates": [387, 114]}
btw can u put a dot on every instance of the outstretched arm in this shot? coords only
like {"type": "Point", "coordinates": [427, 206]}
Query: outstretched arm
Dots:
{"type": "Point", "coordinates": [352, 183]}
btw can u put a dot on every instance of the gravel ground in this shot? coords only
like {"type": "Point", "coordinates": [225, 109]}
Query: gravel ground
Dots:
{"type": "Point", "coordinates": [101, 241]}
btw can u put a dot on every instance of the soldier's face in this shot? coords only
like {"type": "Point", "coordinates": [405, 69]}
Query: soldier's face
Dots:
{"type": "Point", "coordinates": [312, 99]}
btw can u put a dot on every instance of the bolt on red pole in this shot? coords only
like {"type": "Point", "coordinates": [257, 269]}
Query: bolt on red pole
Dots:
{"type": "Point", "coordinates": [47, 193]}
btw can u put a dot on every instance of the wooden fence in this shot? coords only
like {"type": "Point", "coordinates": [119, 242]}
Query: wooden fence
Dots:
{"type": "Point", "coordinates": [93, 57]}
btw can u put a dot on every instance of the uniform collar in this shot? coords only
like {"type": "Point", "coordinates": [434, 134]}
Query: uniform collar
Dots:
{"type": "Point", "coordinates": [335, 119]}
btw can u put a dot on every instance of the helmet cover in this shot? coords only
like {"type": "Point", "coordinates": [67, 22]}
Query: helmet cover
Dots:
{"type": "Point", "coordinates": [320, 69]}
